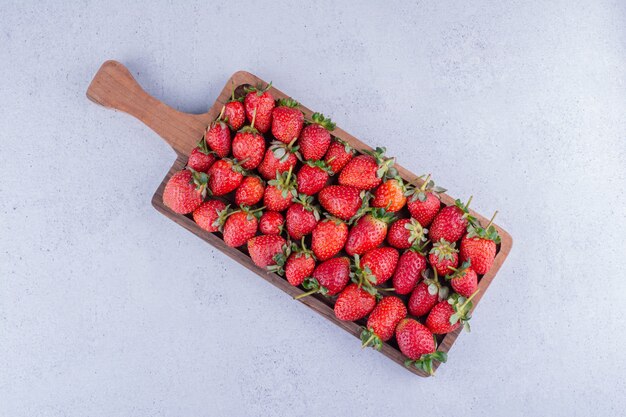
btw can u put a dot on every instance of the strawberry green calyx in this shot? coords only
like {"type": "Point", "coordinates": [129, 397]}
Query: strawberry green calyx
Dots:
{"type": "Point", "coordinates": [444, 250]}
{"type": "Point", "coordinates": [382, 215]}
{"type": "Point", "coordinates": [307, 203]}
{"type": "Point", "coordinates": [282, 150]}
{"type": "Point", "coordinates": [302, 249]}
{"type": "Point", "coordinates": [458, 272]}
{"type": "Point", "coordinates": [365, 208]}
{"type": "Point", "coordinates": [425, 362]}
{"type": "Point", "coordinates": [321, 164]}
{"type": "Point", "coordinates": [281, 260]}
{"type": "Point", "coordinates": [434, 286]}
{"type": "Point", "coordinates": [385, 165]}
{"type": "Point", "coordinates": [346, 145]}
{"type": "Point", "coordinates": [465, 209]}
{"type": "Point", "coordinates": [286, 183]}
{"type": "Point", "coordinates": [325, 122]}
{"type": "Point", "coordinates": [362, 277]}
{"type": "Point", "coordinates": [235, 165]}
{"type": "Point", "coordinates": [462, 307]}
{"type": "Point", "coordinates": [203, 147]}
{"type": "Point", "coordinates": [370, 338]}
{"type": "Point", "coordinates": [417, 234]}
{"type": "Point", "coordinates": [200, 180]}
{"type": "Point", "coordinates": [313, 286]}
{"type": "Point", "coordinates": [258, 89]}
{"type": "Point", "coordinates": [251, 128]}
{"type": "Point", "coordinates": [287, 102]}
{"type": "Point", "coordinates": [488, 233]}
{"type": "Point", "coordinates": [419, 193]}
{"type": "Point", "coordinates": [221, 217]}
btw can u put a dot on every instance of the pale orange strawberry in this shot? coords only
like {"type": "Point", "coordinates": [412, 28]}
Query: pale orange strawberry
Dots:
{"type": "Point", "coordinates": [390, 195]}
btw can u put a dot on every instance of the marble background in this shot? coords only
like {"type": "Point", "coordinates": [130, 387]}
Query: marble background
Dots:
{"type": "Point", "coordinates": [108, 308]}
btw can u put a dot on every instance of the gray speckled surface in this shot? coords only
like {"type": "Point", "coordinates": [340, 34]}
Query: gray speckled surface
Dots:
{"type": "Point", "coordinates": [108, 308]}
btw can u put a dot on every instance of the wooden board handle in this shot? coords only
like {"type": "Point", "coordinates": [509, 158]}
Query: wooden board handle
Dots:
{"type": "Point", "coordinates": [114, 87]}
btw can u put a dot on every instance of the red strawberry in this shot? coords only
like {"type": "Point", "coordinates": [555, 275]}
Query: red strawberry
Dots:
{"type": "Point", "coordinates": [250, 192]}
{"type": "Point", "coordinates": [329, 277]}
{"type": "Point", "coordinates": [263, 249]}
{"type": "Point", "coordinates": [271, 223]}
{"type": "Point", "coordinates": [382, 323]}
{"type": "Point", "coordinates": [418, 344]}
{"type": "Point", "coordinates": [390, 195]}
{"type": "Point", "coordinates": [312, 177]}
{"type": "Point", "coordinates": [185, 191]}
{"type": "Point", "coordinates": [234, 112]}
{"type": "Point", "coordinates": [225, 176]}
{"type": "Point", "coordinates": [217, 136]}
{"type": "Point", "coordinates": [354, 303]}
{"type": "Point", "coordinates": [426, 294]}
{"type": "Point", "coordinates": [300, 265]}
{"type": "Point", "coordinates": [404, 233]}
{"type": "Point", "coordinates": [368, 232]}
{"type": "Point", "coordinates": [302, 217]}
{"type": "Point", "coordinates": [380, 263]}
{"type": "Point", "coordinates": [447, 316]}
{"type": "Point", "coordinates": [450, 223]}
{"type": "Point", "coordinates": [442, 256]}
{"type": "Point", "coordinates": [278, 158]}
{"type": "Point", "coordinates": [315, 137]}
{"type": "Point", "coordinates": [479, 245]}
{"type": "Point", "coordinates": [423, 203]}
{"type": "Point", "coordinates": [259, 104]}
{"type": "Point", "coordinates": [464, 280]}
{"type": "Point", "coordinates": [409, 270]}
{"type": "Point", "coordinates": [201, 158]}
{"type": "Point", "coordinates": [328, 238]}
{"type": "Point", "coordinates": [207, 213]}
{"type": "Point", "coordinates": [367, 171]}
{"type": "Point", "coordinates": [340, 201]}
{"type": "Point", "coordinates": [287, 120]}
{"type": "Point", "coordinates": [280, 192]}
{"type": "Point", "coordinates": [249, 147]}
{"type": "Point", "coordinates": [339, 153]}
{"type": "Point", "coordinates": [414, 339]}
{"type": "Point", "coordinates": [240, 226]}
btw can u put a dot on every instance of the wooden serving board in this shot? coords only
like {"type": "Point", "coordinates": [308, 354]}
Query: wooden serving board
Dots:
{"type": "Point", "coordinates": [114, 87]}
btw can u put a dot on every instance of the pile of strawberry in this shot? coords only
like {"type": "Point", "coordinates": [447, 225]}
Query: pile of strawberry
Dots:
{"type": "Point", "coordinates": [372, 228]}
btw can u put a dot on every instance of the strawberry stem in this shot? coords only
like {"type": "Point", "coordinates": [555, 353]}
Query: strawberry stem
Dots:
{"type": "Point", "coordinates": [423, 187]}
{"type": "Point", "coordinates": [253, 117]}
{"type": "Point", "coordinates": [492, 219]}
{"type": "Point", "coordinates": [368, 341]}
{"type": "Point", "coordinates": [221, 113]}
{"type": "Point", "coordinates": [306, 294]}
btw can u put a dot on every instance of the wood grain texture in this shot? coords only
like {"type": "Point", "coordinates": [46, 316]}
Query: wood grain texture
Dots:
{"type": "Point", "coordinates": [113, 86]}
